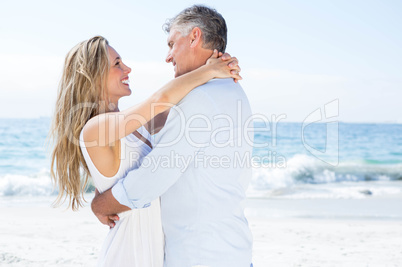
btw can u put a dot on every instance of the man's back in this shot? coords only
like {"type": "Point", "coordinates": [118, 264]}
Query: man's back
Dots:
{"type": "Point", "coordinates": [202, 212]}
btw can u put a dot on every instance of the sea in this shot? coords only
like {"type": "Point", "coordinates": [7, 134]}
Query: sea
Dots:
{"type": "Point", "coordinates": [290, 160]}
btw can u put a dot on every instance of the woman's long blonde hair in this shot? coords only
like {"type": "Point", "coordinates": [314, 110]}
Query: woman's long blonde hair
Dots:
{"type": "Point", "coordinates": [81, 91]}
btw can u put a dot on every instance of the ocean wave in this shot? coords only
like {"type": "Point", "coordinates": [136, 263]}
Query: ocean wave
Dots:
{"type": "Point", "coordinates": [302, 177]}
{"type": "Point", "coordinates": [304, 169]}
{"type": "Point", "coordinates": [342, 190]}
{"type": "Point", "coordinates": [24, 185]}
{"type": "Point", "coordinates": [39, 184]}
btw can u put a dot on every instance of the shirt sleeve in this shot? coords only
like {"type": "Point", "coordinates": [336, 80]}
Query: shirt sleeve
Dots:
{"type": "Point", "coordinates": [186, 132]}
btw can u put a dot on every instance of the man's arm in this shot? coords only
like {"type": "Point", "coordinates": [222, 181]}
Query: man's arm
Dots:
{"type": "Point", "coordinates": [153, 178]}
{"type": "Point", "coordinates": [105, 207]}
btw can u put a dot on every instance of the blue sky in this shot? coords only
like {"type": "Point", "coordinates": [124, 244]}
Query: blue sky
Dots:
{"type": "Point", "coordinates": [296, 56]}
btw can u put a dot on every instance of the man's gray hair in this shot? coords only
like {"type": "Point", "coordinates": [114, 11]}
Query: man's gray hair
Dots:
{"type": "Point", "coordinates": [211, 23]}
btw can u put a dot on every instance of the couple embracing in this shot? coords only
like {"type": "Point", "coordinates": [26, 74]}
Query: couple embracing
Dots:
{"type": "Point", "coordinates": [188, 211]}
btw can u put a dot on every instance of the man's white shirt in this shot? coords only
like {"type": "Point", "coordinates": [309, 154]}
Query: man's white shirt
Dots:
{"type": "Point", "coordinates": [200, 167]}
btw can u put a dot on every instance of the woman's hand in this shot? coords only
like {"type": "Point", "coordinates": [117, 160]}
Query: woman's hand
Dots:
{"type": "Point", "coordinates": [224, 66]}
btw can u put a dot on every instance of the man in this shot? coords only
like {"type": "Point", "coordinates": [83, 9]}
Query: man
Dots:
{"type": "Point", "coordinates": [202, 189]}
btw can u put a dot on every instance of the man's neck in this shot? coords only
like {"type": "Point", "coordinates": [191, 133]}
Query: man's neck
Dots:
{"type": "Point", "coordinates": [201, 57]}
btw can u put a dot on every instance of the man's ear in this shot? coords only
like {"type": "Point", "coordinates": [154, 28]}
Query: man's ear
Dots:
{"type": "Point", "coordinates": [195, 37]}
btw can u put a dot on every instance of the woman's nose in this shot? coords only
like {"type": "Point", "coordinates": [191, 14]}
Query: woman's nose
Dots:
{"type": "Point", "coordinates": [128, 69]}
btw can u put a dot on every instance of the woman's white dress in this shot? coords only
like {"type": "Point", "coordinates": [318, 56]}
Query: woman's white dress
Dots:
{"type": "Point", "coordinates": [137, 239]}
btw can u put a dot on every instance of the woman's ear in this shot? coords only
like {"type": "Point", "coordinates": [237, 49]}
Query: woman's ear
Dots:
{"type": "Point", "coordinates": [195, 37]}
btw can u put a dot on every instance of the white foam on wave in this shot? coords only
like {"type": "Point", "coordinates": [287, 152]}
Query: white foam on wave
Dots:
{"type": "Point", "coordinates": [302, 177]}
{"type": "Point", "coordinates": [307, 177]}
{"type": "Point", "coordinates": [343, 190]}
{"type": "Point", "coordinates": [22, 185]}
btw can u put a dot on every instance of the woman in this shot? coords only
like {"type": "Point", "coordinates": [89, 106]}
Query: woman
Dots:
{"type": "Point", "coordinates": [94, 79]}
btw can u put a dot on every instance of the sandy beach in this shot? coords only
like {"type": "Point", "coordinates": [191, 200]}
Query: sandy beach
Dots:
{"type": "Point", "coordinates": [287, 232]}
{"type": "Point", "coordinates": [326, 232]}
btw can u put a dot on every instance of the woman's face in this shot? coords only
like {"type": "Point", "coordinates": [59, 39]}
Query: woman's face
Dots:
{"type": "Point", "coordinates": [118, 82]}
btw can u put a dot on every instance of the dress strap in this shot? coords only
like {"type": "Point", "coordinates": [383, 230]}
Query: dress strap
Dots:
{"type": "Point", "coordinates": [143, 131]}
